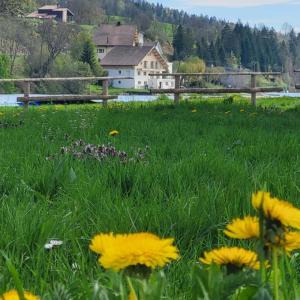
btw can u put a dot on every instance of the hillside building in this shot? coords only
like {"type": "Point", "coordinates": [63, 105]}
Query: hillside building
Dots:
{"type": "Point", "coordinates": [52, 12]}
{"type": "Point", "coordinates": [122, 51]}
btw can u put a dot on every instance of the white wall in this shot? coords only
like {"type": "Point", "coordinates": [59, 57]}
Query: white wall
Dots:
{"type": "Point", "coordinates": [141, 76]}
{"type": "Point", "coordinates": [100, 54]}
{"type": "Point", "coordinates": [65, 16]}
{"type": "Point", "coordinates": [149, 65]}
{"type": "Point", "coordinates": [170, 67]}
{"type": "Point", "coordinates": [141, 80]}
{"type": "Point", "coordinates": [152, 66]}
{"type": "Point", "coordinates": [122, 72]}
{"type": "Point", "coordinates": [161, 83]}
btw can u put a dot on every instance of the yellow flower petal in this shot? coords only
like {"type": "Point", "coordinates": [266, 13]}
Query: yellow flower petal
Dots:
{"type": "Point", "coordinates": [13, 295]}
{"type": "Point", "coordinates": [114, 133]}
{"type": "Point", "coordinates": [235, 256]}
{"type": "Point", "coordinates": [123, 250]}
{"type": "Point", "coordinates": [278, 210]}
{"type": "Point", "coordinates": [291, 241]}
{"type": "Point", "coordinates": [246, 228]}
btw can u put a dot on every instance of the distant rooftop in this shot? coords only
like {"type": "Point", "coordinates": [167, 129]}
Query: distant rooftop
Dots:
{"type": "Point", "coordinates": [125, 56]}
{"type": "Point", "coordinates": [129, 56]}
{"type": "Point", "coordinates": [37, 15]}
{"type": "Point", "coordinates": [52, 12]}
{"type": "Point", "coordinates": [116, 35]}
{"type": "Point", "coordinates": [55, 6]}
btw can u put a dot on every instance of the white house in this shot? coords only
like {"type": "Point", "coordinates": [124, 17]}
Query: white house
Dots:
{"type": "Point", "coordinates": [122, 52]}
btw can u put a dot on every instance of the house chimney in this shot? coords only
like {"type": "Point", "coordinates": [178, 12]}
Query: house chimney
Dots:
{"type": "Point", "coordinates": [141, 39]}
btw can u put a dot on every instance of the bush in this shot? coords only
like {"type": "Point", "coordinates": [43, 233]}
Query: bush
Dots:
{"type": "Point", "coordinates": [4, 73]}
{"type": "Point", "coordinates": [228, 100]}
{"type": "Point", "coordinates": [163, 97]}
{"type": "Point", "coordinates": [64, 66]}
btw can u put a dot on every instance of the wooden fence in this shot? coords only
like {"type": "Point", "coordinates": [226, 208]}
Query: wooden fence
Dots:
{"type": "Point", "coordinates": [253, 89]}
{"type": "Point", "coordinates": [177, 91]}
{"type": "Point", "coordinates": [297, 85]}
{"type": "Point", "coordinates": [26, 85]}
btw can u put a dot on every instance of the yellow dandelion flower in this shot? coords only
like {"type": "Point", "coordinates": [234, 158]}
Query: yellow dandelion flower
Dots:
{"type": "Point", "coordinates": [291, 241]}
{"type": "Point", "coordinates": [13, 295]}
{"type": "Point", "coordinates": [194, 110]}
{"type": "Point", "coordinates": [114, 133]}
{"type": "Point", "coordinates": [246, 228]}
{"type": "Point", "coordinates": [232, 257]}
{"type": "Point", "coordinates": [120, 251]}
{"type": "Point", "coordinates": [277, 210]}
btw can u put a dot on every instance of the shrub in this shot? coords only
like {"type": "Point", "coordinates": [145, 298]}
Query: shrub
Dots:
{"type": "Point", "coordinates": [228, 100]}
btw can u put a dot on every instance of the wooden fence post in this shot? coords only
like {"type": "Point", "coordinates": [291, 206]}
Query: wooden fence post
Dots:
{"type": "Point", "coordinates": [105, 91]}
{"type": "Point", "coordinates": [177, 86]}
{"type": "Point", "coordinates": [253, 86]}
{"type": "Point", "coordinates": [26, 90]}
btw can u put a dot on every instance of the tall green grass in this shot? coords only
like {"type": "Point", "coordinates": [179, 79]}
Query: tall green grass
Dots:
{"type": "Point", "coordinates": [199, 173]}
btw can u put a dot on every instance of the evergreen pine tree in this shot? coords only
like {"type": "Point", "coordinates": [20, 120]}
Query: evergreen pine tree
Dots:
{"type": "Point", "coordinates": [178, 44]}
{"type": "Point", "coordinates": [88, 56]}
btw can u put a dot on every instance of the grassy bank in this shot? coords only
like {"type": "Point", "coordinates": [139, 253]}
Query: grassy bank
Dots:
{"type": "Point", "coordinates": [198, 173]}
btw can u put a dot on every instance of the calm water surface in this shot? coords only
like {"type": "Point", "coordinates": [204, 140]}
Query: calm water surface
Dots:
{"type": "Point", "coordinates": [11, 100]}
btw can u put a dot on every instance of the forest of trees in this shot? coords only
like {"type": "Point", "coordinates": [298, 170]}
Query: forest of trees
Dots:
{"type": "Point", "coordinates": [217, 42]}
{"type": "Point", "coordinates": [40, 49]}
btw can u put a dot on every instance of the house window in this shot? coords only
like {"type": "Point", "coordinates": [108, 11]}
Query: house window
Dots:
{"type": "Point", "coordinates": [145, 64]}
{"type": "Point", "coordinates": [120, 72]}
{"type": "Point", "coordinates": [139, 73]}
{"type": "Point", "coordinates": [156, 65]}
{"type": "Point", "coordinates": [139, 82]}
{"type": "Point", "coordinates": [101, 50]}
{"type": "Point", "coordinates": [167, 83]}
{"type": "Point", "coordinates": [145, 73]}
{"type": "Point", "coordinates": [152, 64]}
{"type": "Point", "coordinates": [145, 83]}
{"type": "Point", "coordinates": [119, 82]}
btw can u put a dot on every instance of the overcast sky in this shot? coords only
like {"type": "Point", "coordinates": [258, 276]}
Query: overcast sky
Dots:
{"type": "Point", "coordinates": [269, 12]}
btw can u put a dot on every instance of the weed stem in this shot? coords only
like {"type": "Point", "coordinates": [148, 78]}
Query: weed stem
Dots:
{"type": "Point", "coordinates": [275, 272]}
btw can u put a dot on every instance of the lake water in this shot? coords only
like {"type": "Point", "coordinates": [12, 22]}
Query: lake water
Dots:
{"type": "Point", "coordinates": [11, 100]}
{"type": "Point", "coordinates": [275, 95]}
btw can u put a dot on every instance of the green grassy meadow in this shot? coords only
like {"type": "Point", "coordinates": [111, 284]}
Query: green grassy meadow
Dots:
{"type": "Point", "coordinates": [199, 172]}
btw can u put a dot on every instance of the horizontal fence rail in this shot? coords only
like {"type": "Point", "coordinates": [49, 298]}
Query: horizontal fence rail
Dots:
{"type": "Point", "coordinates": [219, 74]}
{"type": "Point", "coordinates": [26, 83]}
{"type": "Point", "coordinates": [48, 79]}
{"type": "Point", "coordinates": [217, 90]}
{"type": "Point", "coordinates": [66, 98]}
{"type": "Point", "coordinates": [177, 91]}
{"type": "Point", "coordinates": [253, 89]}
